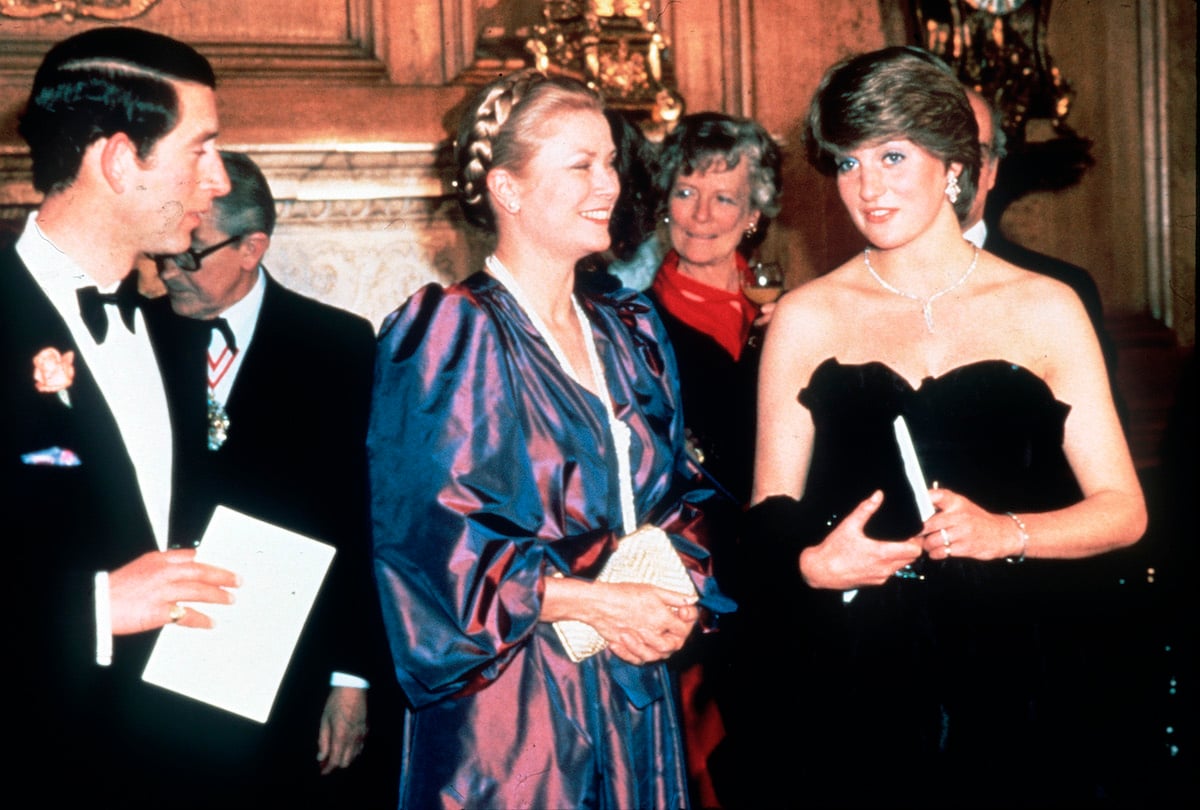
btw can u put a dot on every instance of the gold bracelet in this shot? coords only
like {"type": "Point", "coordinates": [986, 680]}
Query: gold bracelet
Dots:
{"type": "Point", "coordinates": [1024, 539]}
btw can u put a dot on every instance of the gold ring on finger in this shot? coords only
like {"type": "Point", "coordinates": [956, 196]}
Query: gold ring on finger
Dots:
{"type": "Point", "coordinates": [177, 612]}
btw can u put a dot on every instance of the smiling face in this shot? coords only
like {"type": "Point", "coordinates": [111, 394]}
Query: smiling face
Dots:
{"type": "Point", "coordinates": [709, 211]}
{"type": "Point", "coordinates": [175, 185]}
{"type": "Point", "coordinates": [893, 190]}
{"type": "Point", "coordinates": [565, 192]}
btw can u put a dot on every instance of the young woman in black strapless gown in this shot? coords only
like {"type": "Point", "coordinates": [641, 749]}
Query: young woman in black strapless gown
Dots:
{"type": "Point", "coordinates": [921, 659]}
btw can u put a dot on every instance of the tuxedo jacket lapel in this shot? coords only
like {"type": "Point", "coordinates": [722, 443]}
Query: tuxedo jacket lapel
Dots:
{"type": "Point", "coordinates": [258, 369]}
{"type": "Point", "coordinates": [109, 494]}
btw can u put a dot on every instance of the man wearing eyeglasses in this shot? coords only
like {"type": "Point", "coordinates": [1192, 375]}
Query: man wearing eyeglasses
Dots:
{"type": "Point", "coordinates": [287, 386]}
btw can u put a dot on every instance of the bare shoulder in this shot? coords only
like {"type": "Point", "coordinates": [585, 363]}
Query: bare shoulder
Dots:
{"type": "Point", "coordinates": [817, 303]}
{"type": "Point", "coordinates": [808, 327]}
{"type": "Point", "coordinates": [1029, 285]}
{"type": "Point", "coordinates": [1036, 320]}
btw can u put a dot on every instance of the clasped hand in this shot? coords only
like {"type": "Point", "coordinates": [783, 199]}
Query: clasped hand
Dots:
{"type": "Point", "coordinates": [144, 592]}
{"type": "Point", "coordinates": [642, 623]}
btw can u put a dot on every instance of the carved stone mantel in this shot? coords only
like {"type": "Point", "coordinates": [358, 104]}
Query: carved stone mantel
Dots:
{"type": "Point", "coordinates": [363, 229]}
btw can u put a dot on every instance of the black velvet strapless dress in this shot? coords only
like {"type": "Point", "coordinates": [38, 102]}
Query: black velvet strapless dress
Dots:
{"type": "Point", "coordinates": [944, 688]}
{"type": "Point", "coordinates": [991, 430]}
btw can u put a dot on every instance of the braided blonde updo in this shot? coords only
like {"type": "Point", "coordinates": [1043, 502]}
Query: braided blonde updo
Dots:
{"type": "Point", "coordinates": [502, 128]}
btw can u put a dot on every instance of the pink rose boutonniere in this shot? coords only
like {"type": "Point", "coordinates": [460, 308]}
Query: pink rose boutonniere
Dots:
{"type": "Point", "coordinates": [53, 373]}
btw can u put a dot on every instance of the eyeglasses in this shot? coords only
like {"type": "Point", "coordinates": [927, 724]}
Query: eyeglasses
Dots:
{"type": "Point", "coordinates": [190, 259]}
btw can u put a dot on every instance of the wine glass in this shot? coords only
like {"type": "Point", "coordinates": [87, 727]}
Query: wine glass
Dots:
{"type": "Point", "coordinates": [765, 283]}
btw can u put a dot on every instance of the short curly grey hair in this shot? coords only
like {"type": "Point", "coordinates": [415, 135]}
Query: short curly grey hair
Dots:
{"type": "Point", "coordinates": [701, 140]}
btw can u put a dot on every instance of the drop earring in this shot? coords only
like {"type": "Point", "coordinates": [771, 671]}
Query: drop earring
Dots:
{"type": "Point", "coordinates": [952, 188]}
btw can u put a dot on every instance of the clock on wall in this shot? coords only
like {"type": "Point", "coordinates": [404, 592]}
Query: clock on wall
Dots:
{"type": "Point", "coordinates": [998, 47]}
{"type": "Point", "coordinates": [996, 7]}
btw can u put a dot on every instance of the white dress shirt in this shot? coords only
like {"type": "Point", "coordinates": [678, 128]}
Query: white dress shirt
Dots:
{"type": "Point", "coordinates": [976, 234]}
{"type": "Point", "coordinates": [242, 318]}
{"type": "Point", "coordinates": [127, 374]}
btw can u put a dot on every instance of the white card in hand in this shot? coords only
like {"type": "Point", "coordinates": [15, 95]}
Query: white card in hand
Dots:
{"type": "Point", "coordinates": [238, 664]}
{"type": "Point", "coordinates": [912, 469]}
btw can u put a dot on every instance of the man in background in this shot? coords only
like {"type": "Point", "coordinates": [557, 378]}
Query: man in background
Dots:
{"type": "Point", "coordinates": [121, 126]}
{"type": "Point", "coordinates": [286, 385]}
{"type": "Point", "coordinates": [992, 142]}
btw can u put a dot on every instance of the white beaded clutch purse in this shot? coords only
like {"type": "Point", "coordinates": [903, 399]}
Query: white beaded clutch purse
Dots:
{"type": "Point", "coordinates": [645, 556]}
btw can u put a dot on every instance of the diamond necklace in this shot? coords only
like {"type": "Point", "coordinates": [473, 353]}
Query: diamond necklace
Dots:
{"type": "Point", "coordinates": [926, 303]}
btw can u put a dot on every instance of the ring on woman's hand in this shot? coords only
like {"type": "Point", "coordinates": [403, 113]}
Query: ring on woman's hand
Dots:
{"type": "Point", "coordinates": [177, 613]}
{"type": "Point", "coordinates": [946, 541]}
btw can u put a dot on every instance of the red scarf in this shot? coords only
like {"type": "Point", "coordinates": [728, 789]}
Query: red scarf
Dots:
{"type": "Point", "coordinates": [724, 316]}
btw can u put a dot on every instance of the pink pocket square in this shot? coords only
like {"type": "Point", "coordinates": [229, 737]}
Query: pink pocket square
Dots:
{"type": "Point", "coordinates": [52, 457]}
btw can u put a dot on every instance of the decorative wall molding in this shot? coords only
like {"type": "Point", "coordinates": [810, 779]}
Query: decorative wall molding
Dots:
{"type": "Point", "coordinates": [366, 266]}
{"type": "Point", "coordinates": [363, 228]}
{"type": "Point", "coordinates": [408, 171]}
{"type": "Point", "coordinates": [69, 10]}
{"type": "Point", "coordinates": [1156, 157]}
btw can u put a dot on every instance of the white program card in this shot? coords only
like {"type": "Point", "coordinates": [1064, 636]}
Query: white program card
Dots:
{"type": "Point", "coordinates": [239, 664]}
{"type": "Point", "coordinates": [912, 469]}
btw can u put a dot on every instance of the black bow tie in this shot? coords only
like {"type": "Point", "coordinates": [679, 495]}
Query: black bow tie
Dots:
{"type": "Point", "coordinates": [222, 326]}
{"type": "Point", "coordinates": [92, 301]}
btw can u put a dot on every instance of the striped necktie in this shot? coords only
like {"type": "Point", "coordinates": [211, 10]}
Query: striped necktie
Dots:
{"type": "Point", "coordinates": [222, 348]}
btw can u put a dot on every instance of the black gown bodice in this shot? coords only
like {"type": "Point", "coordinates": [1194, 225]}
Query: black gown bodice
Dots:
{"type": "Point", "coordinates": [990, 430]}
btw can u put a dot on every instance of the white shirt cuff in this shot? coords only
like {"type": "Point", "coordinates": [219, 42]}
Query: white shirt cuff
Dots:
{"type": "Point", "coordinates": [345, 679]}
{"type": "Point", "coordinates": [104, 639]}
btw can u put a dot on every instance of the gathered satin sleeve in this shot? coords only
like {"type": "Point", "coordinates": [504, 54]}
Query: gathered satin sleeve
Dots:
{"type": "Point", "coordinates": [458, 569]}
{"type": "Point", "coordinates": [491, 469]}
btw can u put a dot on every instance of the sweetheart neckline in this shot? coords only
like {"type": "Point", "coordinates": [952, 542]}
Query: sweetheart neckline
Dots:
{"type": "Point", "coordinates": [934, 378]}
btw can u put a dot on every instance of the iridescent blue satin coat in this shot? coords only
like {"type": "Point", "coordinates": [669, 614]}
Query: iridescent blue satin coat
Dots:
{"type": "Point", "coordinates": [490, 470]}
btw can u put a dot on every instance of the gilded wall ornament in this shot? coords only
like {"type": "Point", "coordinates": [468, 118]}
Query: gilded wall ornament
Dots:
{"type": "Point", "coordinates": [613, 46]}
{"type": "Point", "coordinates": [999, 48]}
{"type": "Point", "coordinates": [69, 10]}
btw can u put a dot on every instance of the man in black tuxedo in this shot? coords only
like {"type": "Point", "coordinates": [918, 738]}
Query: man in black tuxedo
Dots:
{"type": "Point", "coordinates": [121, 126]}
{"type": "Point", "coordinates": [287, 383]}
{"type": "Point", "coordinates": [988, 236]}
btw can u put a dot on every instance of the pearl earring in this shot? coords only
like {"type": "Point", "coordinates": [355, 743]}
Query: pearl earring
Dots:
{"type": "Point", "coordinates": [952, 188]}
